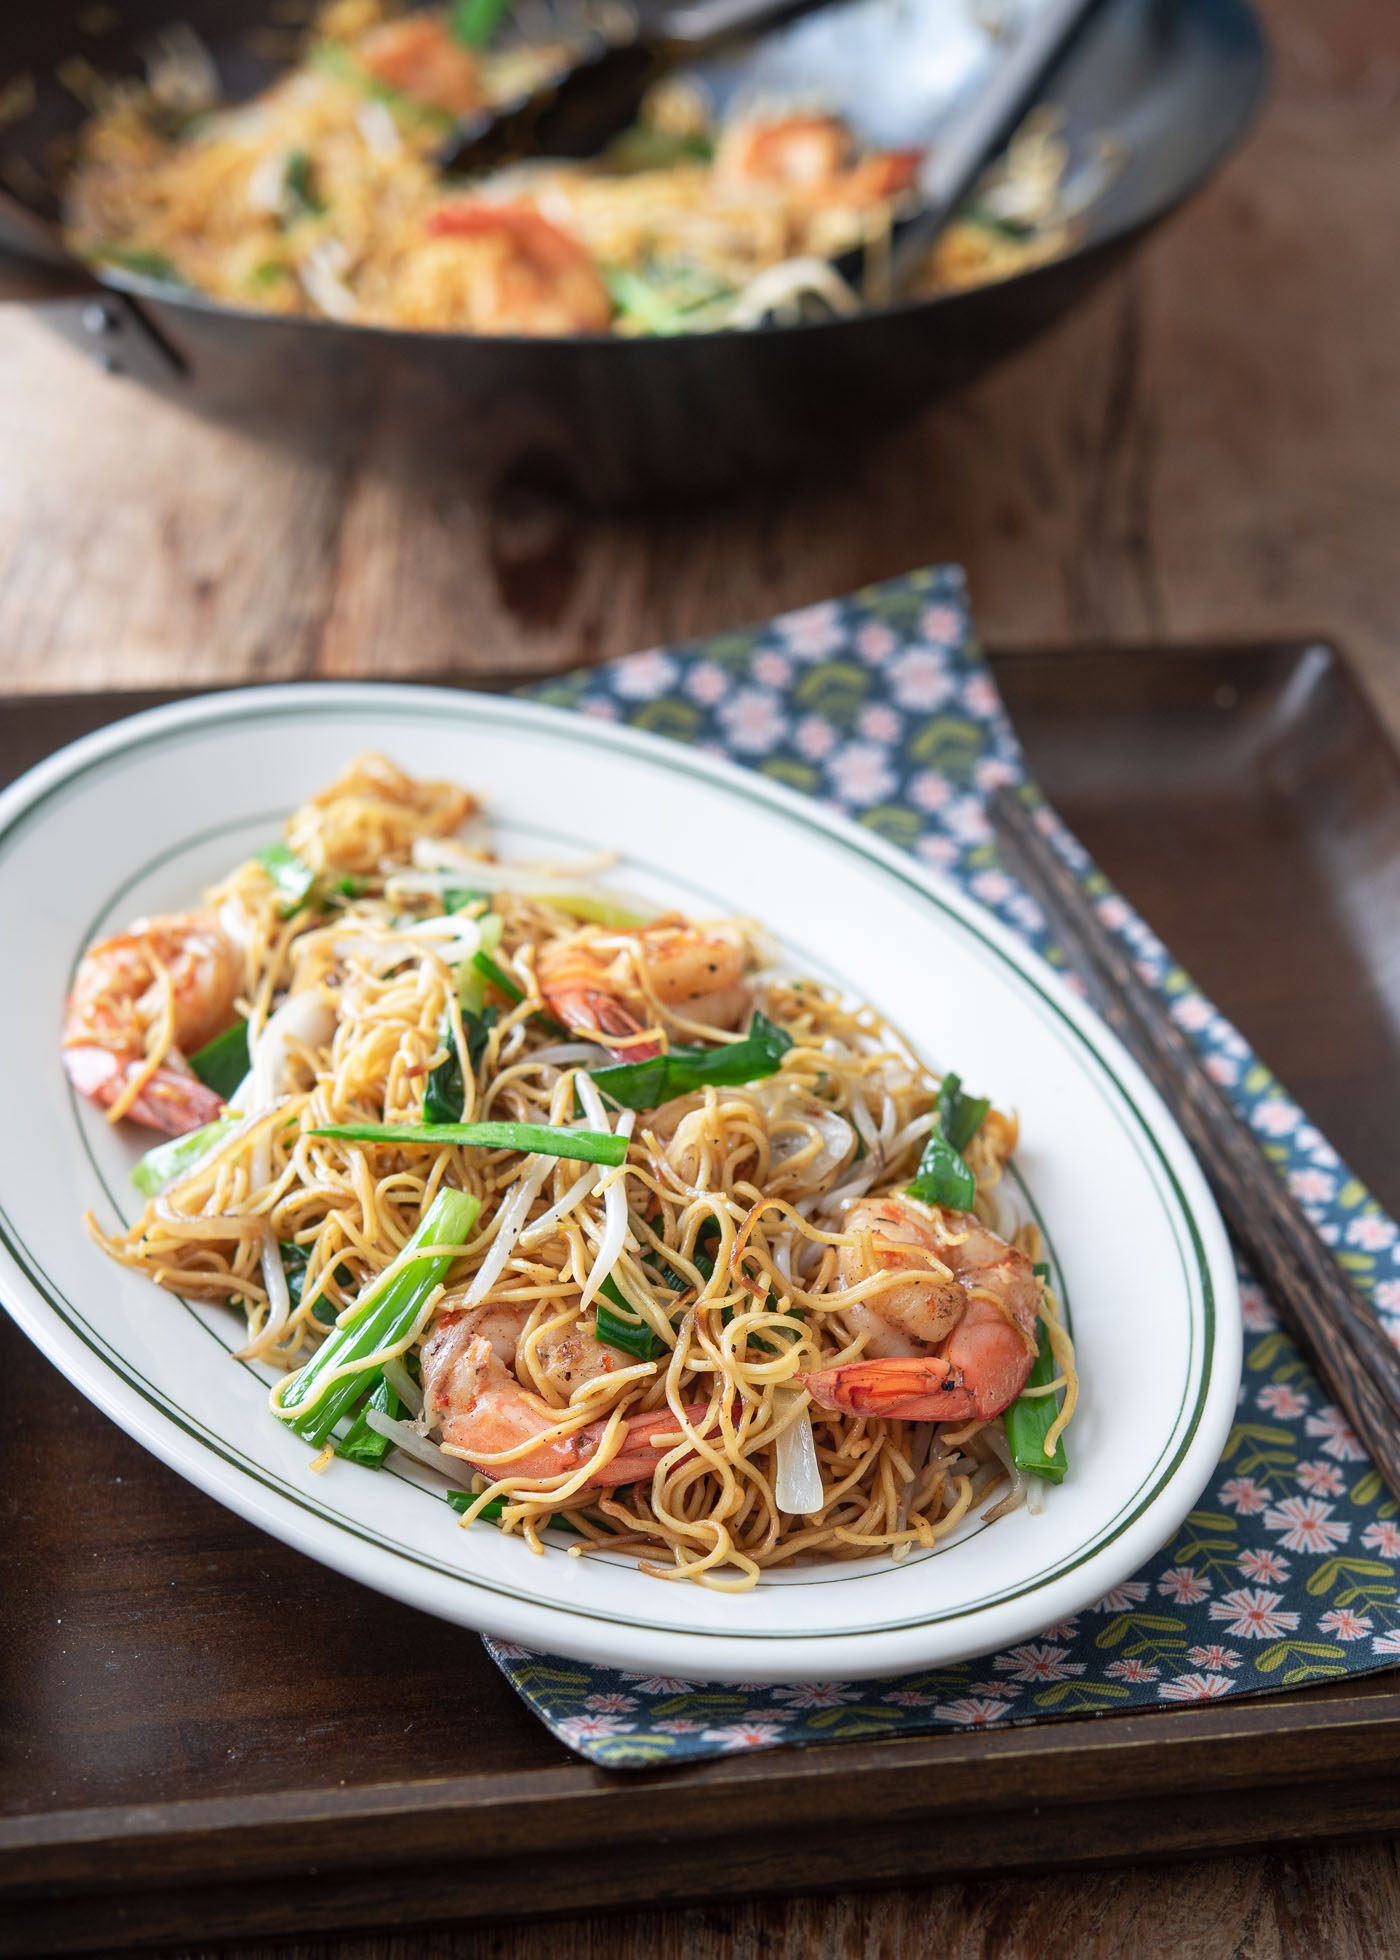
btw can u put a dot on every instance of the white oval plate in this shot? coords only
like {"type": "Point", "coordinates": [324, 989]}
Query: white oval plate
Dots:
{"type": "Point", "coordinates": [140, 816]}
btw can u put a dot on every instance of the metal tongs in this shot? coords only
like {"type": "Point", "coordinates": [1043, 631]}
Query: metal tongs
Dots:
{"type": "Point", "coordinates": [574, 111]}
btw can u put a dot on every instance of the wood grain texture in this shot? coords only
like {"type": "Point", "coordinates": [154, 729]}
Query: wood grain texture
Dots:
{"type": "Point", "coordinates": [1311, 1905]}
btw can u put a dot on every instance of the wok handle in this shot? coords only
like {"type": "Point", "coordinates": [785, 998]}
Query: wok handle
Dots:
{"type": "Point", "coordinates": [33, 263]}
{"type": "Point", "coordinates": [109, 327]}
{"type": "Point", "coordinates": [35, 280]}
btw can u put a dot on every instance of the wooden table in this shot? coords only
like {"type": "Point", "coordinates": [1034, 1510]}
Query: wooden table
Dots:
{"type": "Point", "coordinates": [1209, 449]}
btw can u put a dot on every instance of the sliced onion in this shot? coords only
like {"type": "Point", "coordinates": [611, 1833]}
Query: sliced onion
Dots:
{"type": "Point", "coordinates": [514, 1212]}
{"type": "Point", "coordinates": [380, 131]}
{"type": "Point", "coordinates": [406, 1438]}
{"type": "Point", "coordinates": [212, 1225]}
{"type": "Point", "coordinates": [403, 1385]}
{"type": "Point", "coordinates": [307, 1017]}
{"type": "Point", "coordinates": [865, 1123]}
{"type": "Point", "coordinates": [614, 1196]}
{"type": "Point", "coordinates": [452, 936]}
{"type": "Point", "coordinates": [994, 1436]}
{"type": "Point", "coordinates": [279, 1299]}
{"type": "Point", "coordinates": [320, 274]}
{"type": "Point", "coordinates": [567, 1054]}
{"type": "Point", "coordinates": [797, 1488]}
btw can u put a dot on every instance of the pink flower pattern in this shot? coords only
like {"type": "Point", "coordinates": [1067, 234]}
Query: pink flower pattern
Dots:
{"type": "Point", "coordinates": [1253, 1614]}
{"type": "Point", "coordinates": [1185, 1586]}
{"type": "Point", "coordinates": [881, 701]}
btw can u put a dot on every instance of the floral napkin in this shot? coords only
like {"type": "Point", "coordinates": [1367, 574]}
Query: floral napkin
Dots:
{"type": "Point", "coordinates": [1289, 1570]}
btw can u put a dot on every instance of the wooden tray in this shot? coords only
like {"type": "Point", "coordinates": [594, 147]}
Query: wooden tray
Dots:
{"type": "Point", "coordinates": [203, 1735]}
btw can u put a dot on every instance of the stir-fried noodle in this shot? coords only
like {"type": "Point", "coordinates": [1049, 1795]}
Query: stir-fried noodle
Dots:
{"type": "Point", "coordinates": [322, 195]}
{"type": "Point", "coordinates": [720, 1352]}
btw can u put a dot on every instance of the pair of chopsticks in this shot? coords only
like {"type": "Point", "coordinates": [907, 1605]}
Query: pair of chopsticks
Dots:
{"type": "Point", "coordinates": [1346, 1343]}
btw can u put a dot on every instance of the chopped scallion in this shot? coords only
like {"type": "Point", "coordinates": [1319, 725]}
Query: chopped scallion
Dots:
{"type": "Point", "coordinates": [588, 1146]}
{"type": "Point", "coordinates": [318, 1395]}
{"type": "Point", "coordinates": [1029, 1418]}
{"type": "Point", "coordinates": [292, 875]}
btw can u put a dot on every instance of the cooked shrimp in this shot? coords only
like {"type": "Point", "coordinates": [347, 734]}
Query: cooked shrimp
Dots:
{"type": "Point", "coordinates": [484, 1413]}
{"type": "Point", "coordinates": [565, 1357]}
{"type": "Point", "coordinates": [502, 268]}
{"type": "Point", "coordinates": [597, 982]}
{"type": "Point", "coordinates": [955, 1333]}
{"type": "Point", "coordinates": [421, 58]}
{"type": "Point", "coordinates": [141, 1000]}
{"type": "Point", "coordinates": [813, 158]}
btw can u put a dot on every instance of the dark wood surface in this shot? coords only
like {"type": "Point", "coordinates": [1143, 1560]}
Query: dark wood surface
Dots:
{"type": "Point", "coordinates": [203, 1731]}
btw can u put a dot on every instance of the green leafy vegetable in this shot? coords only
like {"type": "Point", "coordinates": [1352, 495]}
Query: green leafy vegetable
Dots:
{"type": "Point", "coordinates": [646, 1085]}
{"type": "Point", "coordinates": [317, 1396]}
{"type": "Point", "coordinates": [474, 22]}
{"type": "Point", "coordinates": [222, 1063]}
{"type": "Point", "coordinates": [267, 274]}
{"type": "Point", "coordinates": [295, 1260]}
{"type": "Point", "coordinates": [1029, 1418]}
{"type": "Point", "coordinates": [943, 1177]}
{"type": "Point", "coordinates": [139, 259]}
{"type": "Point", "coordinates": [498, 977]}
{"type": "Point", "coordinates": [457, 898]}
{"type": "Point", "coordinates": [365, 1445]}
{"type": "Point", "coordinates": [180, 1154]}
{"type": "Point", "coordinates": [627, 1330]}
{"type": "Point", "coordinates": [960, 1116]}
{"type": "Point", "coordinates": [599, 911]}
{"type": "Point", "coordinates": [462, 1500]}
{"type": "Point", "coordinates": [297, 182]}
{"type": "Point", "coordinates": [292, 875]}
{"type": "Point", "coordinates": [503, 983]}
{"type": "Point", "coordinates": [632, 295]}
{"type": "Point", "coordinates": [445, 1097]}
{"type": "Point", "coordinates": [588, 1146]}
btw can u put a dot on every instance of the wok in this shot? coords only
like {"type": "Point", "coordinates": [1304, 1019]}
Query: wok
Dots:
{"type": "Point", "coordinates": [612, 419]}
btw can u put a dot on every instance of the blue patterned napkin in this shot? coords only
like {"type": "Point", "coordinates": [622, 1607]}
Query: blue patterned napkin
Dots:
{"type": "Point", "coordinates": [1289, 1571]}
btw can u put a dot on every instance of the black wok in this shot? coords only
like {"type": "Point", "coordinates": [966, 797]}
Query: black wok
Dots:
{"type": "Point", "coordinates": [614, 419]}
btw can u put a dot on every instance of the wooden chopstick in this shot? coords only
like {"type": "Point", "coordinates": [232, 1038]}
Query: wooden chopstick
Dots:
{"type": "Point", "coordinates": [1346, 1343]}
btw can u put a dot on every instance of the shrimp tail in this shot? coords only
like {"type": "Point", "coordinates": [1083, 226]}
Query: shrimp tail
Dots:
{"type": "Point", "coordinates": [173, 1100]}
{"type": "Point", "coordinates": [922, 1388]}
{"type": "Point", "coordinates": [587, 1011]}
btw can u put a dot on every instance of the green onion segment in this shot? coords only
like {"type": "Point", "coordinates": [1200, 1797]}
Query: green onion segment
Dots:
{"type": "Point", "coordinates": [292, 875]}
{"type": "Point", "coordinates": [626, 1331]}
{"type": "Point", "coordinates": [588, 1146]}
{"type": "Point", "coordinates": [1029, 1418]}
{"type": "Point", "coordinates": [178, 1155]}
{"type": "Point", "coordinates": [312, 1402]}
